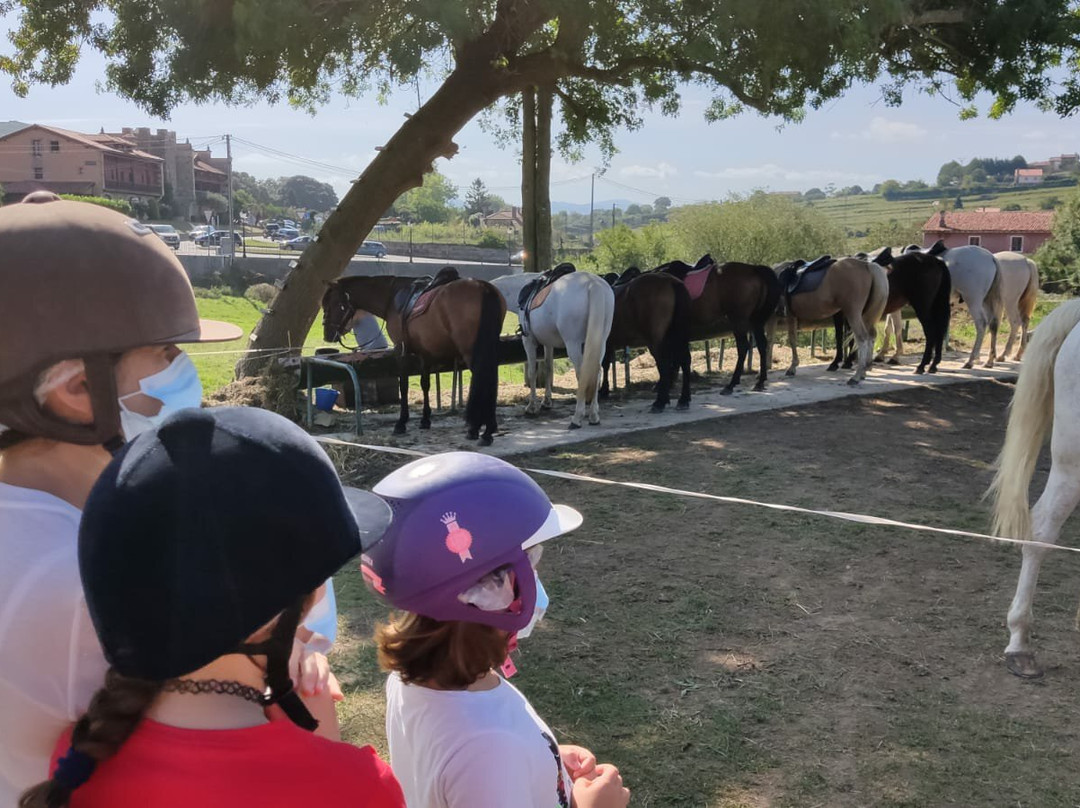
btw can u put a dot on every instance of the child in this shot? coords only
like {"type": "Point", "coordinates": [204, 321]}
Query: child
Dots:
{"type": "Point", "coordinates": [458, 561]}
{"type": "Point", "coordinates": [201, 547]}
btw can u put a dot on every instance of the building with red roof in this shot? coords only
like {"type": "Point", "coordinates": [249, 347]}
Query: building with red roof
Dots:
{"type": "Point", "coordinates": [1022, 231]}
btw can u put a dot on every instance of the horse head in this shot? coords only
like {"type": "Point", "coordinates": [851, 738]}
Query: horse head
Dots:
{"type": "Point", "coordinates": [338, 310]}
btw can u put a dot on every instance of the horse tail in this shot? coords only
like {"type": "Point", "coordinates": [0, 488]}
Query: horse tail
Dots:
{"type": "Point", "coordinates": [773, 289]}
{"type": "Point", "coordinates": [877, 299]}
{"type": "Point", "coordinates": [597, 328]}
{"type": "Point", "coordinates": [484, 389]}
{"type": "Point", "coordinates": [1031, 414]}
{"type": "Point", "coordinates": [994, 303]}
{"type": "Point", "coordinates": [1031, 291]}
{"type": "Point", "coordinates": [940, 306]}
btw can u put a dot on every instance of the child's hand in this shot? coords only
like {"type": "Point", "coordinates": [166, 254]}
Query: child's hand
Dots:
{"type": "Point", "coordinates": [603, 790]}
{"type": "Point", "coordinates": [579, 762]}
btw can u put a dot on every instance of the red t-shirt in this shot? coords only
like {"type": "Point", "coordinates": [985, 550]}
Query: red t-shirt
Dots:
{"type": "Point", "coordinates": [271, 764]}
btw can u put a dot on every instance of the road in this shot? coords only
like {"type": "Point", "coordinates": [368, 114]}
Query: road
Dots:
{"type": "Point", "coordinates": [189, 248]}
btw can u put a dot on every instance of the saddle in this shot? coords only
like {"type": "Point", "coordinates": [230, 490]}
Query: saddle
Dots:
{"type": "Point", "coordinates": [627, 276]}
{"type": "Point", "coordinates": [799, 277]}
{"type": "Point", "coordinates": [534, 293]}
{"type": "Point", "coordinates": [693, 277]}
{"type": "Point", "coordinates": [414, 299]}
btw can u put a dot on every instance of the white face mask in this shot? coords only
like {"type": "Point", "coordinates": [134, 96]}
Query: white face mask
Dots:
{"type": "Point", "coordinates": [177, 387]}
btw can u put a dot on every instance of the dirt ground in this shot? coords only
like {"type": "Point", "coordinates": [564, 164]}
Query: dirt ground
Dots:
{"type": "Point", "coordinates": [732, 656]}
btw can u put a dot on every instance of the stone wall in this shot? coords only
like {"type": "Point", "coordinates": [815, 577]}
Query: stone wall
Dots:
{"type": "Point", "coordinates": [274, 268]}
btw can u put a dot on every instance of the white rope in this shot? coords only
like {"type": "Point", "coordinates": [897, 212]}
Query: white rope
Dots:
{"type": "Point", "coordinates": [663, 489]}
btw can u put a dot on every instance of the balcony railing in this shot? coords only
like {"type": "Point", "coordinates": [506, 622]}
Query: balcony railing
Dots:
{"type": "Point", "coordinates": [139, 189]}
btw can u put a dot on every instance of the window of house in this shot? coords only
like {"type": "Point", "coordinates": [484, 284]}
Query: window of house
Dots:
{"type": "Point", "coordinates": [1016, 243]}
{"type": "Point", "coordinates": [975, 241]}
{"type": "Point", "coordinates": [35, 147]}
{"type": "Point", "coordinates": [54, 145]}
{"type": "Point", "coordinates": [39, 173]}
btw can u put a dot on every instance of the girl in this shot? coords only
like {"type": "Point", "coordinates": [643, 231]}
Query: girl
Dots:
{"type": "Point", "coordinates": [201, 548]}
{"type": "Point", "coordinates": [458, 561]}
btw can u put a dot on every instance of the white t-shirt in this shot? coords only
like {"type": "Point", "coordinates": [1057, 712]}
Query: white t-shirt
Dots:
{"type": "Point", "coordinates": [472, 749]}
{"type": "Point", "coordinates": [50, 659]}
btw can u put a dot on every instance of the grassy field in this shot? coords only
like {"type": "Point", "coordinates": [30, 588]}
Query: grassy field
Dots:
{"type": "Point", "coordinates": [858, 213]}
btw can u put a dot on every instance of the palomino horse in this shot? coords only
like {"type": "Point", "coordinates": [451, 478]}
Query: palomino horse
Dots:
{"type": "Point", "coordinates": [736, 297]}
{"type": "Point", "coordinates": [1019, 291]}
{"type": "Point", "coordinates": [1044, 402]}
{"type": "Point", "coordinates": [575, 313]}
{"type": "Point", "coordinates": [977, 281]}
{"type": "Point", "coordinates": [458, 321]}
{"type": "Point", "coordinates": [855, 288]}
{"type": "Point", "coordinates": [921, 279]}
{"type": "Point", "coordinates": [653, 309]}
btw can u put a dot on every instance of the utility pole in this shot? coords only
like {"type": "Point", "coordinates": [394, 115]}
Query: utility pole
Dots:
{"type": "Point", "coordinates": [612, 215]}
{"type": "Point", "coordinates": [229, 220]}
{"type": "Point", "coordinates": [592, 201]}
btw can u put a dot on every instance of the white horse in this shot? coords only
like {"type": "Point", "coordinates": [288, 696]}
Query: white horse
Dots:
{"type": "Point", "coordinates": [576, 315]}
{"type": "Point", "coordinates": [977, 281]}
{"type": "Point", "coordinates": [1019, 292]}
{"type": "Point", "coordinates": [1045, 402]}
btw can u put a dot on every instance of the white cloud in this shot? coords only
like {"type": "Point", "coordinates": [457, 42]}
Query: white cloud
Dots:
{"type": "Point", "coordinates": [883, 130]}
{"type": "Point", "coordinates": [771, 172]}
{"type": "Point", "coordinates": [659, 171]}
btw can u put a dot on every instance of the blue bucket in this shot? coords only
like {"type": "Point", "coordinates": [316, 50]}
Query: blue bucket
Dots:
{"type": "Point", "coordinates": [325, 398]}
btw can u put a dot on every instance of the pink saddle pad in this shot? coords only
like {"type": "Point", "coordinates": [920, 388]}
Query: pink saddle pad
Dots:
{"type": "Point", "coordinates": [696, 280]}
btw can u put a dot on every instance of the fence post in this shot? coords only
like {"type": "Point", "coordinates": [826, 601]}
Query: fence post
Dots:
{"type": "Point", "coordinates": [708, 358]}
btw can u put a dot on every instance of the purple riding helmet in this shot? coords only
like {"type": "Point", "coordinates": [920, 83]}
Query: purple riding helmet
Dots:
{"type": "Point", "coordinates": [459, 516]}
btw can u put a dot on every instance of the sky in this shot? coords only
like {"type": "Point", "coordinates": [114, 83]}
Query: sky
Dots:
{"type": "Point", "coordinates": [856, 140]}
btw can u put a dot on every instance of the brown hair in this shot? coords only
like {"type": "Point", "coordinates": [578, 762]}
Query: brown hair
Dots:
{"type": "Point", "coordinates": [448, 655]}
{"type": "Point", "coordinates": [114, 713]}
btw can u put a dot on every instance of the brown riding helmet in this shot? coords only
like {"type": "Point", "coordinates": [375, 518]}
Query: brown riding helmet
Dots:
{"type": "Point", "coordinates": [80, 281]}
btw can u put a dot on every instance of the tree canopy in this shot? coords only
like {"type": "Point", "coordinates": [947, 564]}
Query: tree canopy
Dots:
{"type": "Point", "coordinates": [304, 192]}
{"type": "Point", "coordinates": [428, 203]}
{"type": "Point", "coordinates": [1058, 259]}
{"type": "Point", "coordinates": [606, 61]}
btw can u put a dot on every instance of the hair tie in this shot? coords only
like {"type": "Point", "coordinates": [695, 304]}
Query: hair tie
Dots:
{"type": "Point", "coordinates": [74, 769]}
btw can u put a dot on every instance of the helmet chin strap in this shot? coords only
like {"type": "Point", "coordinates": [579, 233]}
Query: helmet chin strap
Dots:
{"type": "Point", "coordinates": [278, 650]}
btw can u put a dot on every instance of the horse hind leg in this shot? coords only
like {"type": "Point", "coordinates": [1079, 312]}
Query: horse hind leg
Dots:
{"type": "Point", "coordinates": [742, 346]}
{"type": "Point", "coordinates": [1058, 500]}
{"type": "Point", "coordinates": [763, 348]}
{"type": "Point", "coordinates": [425, 387]}
{"type": "Point", "coordinates": [980, 331]}
{"type": "Point", "coordinates": [403, 392]}
{"type": "Point", "coordinates": [575, 354]}
{"type": "Point", "coordinates": [838, 328]}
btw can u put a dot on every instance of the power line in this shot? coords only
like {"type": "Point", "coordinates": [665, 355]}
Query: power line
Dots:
{"type": "Point", "coordinates": [653, 194]}
{"type": "Point", "coordinates": [296, 158]}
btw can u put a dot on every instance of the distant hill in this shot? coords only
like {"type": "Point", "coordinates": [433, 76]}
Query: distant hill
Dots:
{"type": "Point", "coordinates": [601, 205]}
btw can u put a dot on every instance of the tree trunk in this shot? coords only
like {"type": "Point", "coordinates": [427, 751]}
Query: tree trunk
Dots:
{"type": "Point", "coordinates": [528, 177]}
{"type": "Point", "coordinates": [400, 166]}
{"type": "Point", "coordinates": [542, 192]}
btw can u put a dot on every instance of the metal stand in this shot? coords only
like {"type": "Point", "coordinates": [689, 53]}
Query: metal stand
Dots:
{"type": "Point", "coordinates": [308, 362]}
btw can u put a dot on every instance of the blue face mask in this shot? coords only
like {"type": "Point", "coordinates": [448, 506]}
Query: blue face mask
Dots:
{"type": "Point", "coordinates": [542, 603]}
{"type": "Point", "coordinates": [177, 387]}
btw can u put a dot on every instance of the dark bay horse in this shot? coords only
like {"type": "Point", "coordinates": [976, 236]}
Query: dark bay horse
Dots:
{"type": "Point", "coordinates": [735, 297]}
{"type": "Point", "coordinates": [653, 309]}
{"type": "Point", "coordinates": [921, 279]}
{"type": "Point", "coordinates": [457, 321]}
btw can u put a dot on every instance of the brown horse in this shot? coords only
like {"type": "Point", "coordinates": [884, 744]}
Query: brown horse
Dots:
{"type": "Point", "coordinates": [735, 297]}
{"type": "Point", "coordinates": [852, 287]}
{"type": "Point", "coordinates": [653, 309]}
{"type": "Point", "coordinates": [458, 321]}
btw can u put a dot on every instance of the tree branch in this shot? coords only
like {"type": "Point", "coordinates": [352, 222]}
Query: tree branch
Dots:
{"type": "Point", "coordinates": [941, 16]}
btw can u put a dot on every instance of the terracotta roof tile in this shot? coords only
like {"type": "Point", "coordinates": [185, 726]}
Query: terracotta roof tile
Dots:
{"type": "Point", "coordinates": [1020, 221]}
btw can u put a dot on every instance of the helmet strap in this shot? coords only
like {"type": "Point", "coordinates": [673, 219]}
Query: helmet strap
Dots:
{"type": "Point", "coordinates": [278, 650]}
{"type": "Point", "coordinates": [508, 667]}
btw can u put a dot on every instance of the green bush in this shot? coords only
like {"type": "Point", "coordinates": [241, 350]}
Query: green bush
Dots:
{"type": "Point", "coordinates": [492, 239]}
{"type": "Point", "coordinates": [1059, 266]}
{"type": "Point", "coordinates": [116, 204]}
{"type": "Point", "coordinates": [261, 293]}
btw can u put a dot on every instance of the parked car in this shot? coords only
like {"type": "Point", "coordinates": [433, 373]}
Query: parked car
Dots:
{"type": "Point", "coordinates": [285, 233]}
{"type": "Point", "coordinates": [376, 248]}
{"type": "Point", "coordinates": [168, 234]}
{"type": "Point", "coordinates": [298, 243]}
{"type": "Point", "coordinates": [270, 228]}
{"type": "Point", "coordinates": [213, 238]}
{"type": "Point", "coordinates": [289, 223]}
{"type": "Point", "coordinates": [199, 230]}
{"type": "Point", "coordinates": [518, 257]}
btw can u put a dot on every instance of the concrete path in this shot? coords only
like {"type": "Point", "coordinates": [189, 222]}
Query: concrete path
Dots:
{"type": "Point", "coordinates": [813, 384]}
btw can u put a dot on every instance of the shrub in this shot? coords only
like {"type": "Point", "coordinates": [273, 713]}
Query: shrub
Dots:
{"type": "Point", "coordinates": [492, 239]}
{"type": "Point", "coordinates": [116, 204]}
{"type": "Point", "coordinates": [261, 293]}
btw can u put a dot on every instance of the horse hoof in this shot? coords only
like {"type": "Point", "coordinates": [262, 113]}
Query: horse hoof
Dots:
{"type": "Point", "coordinates": [399, 429]}
{"type": "Point", "coordinates": [472, 434]}
{"type": "Point", "coordinates": [919, 370]}
{"type": "Point", "coordinates": [594, 423]}
{"type": "Point", "coordinates": [832, 368]}
{"type": "Point", "coordinates": [853, 382]}
{"type": "Point", "coordinates": [547, 405]}
{"type": "Point", "coordinates": [574, 426]}
{"type": "Point", "coordinates": [893, 361]}
{"type": "Point", "coordinates": [727, 391]}
{"type": "Point", "coordinates": [682, 405]}
{"type": "Point", "coordinates": [759, 387]}
{"type": "Point", "coordinates": [967, 365]}
{"type": "Point", "coordinates": [989, 364]}
{"type": "Point", "coordinates": [789, 372]}
{"type": "Point", "coordinates": [487, 440]}
{"type": "Point", "coordinates": [933, 369]}
{"type": "Point", "coordinates": [1023, 664]}
{"type": "Point", "coordinates": [656, 408]}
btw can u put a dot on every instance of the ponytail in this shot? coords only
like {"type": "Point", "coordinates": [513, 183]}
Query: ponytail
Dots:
{"type": "Point", "coordinates": [114, 713]}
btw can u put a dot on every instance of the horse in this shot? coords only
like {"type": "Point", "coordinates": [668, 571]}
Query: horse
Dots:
{"type": "Point", "coordinates": [851, 289]}
{"type": "Point", "coordinates": [653, 309]}
{"type": "Point", "coordinates": [575, 314]}
{"type": "Point", "coordinates": [736, 297]}
{"type": "Point", "coordinates": [922, 280]}
{"type": "Point", "coordinates": [976, 281]}
{"type": "Point", "coordinates": [1019, 292]}
{"type": "Point", "coordinates": [459, 320]}
{"type": "Point", "coordinates": [1044, 403]}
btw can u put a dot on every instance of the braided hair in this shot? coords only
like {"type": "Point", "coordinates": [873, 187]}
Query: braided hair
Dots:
{"type": "Point", "coordinates": [113, 715]}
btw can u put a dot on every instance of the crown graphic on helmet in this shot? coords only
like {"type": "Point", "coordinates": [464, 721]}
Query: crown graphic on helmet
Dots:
{"type": "Point", "coordinates": [458, 539]}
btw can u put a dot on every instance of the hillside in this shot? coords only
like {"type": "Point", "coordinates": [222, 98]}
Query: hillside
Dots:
{"type": "Point", "coordinates": [857, 213]}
